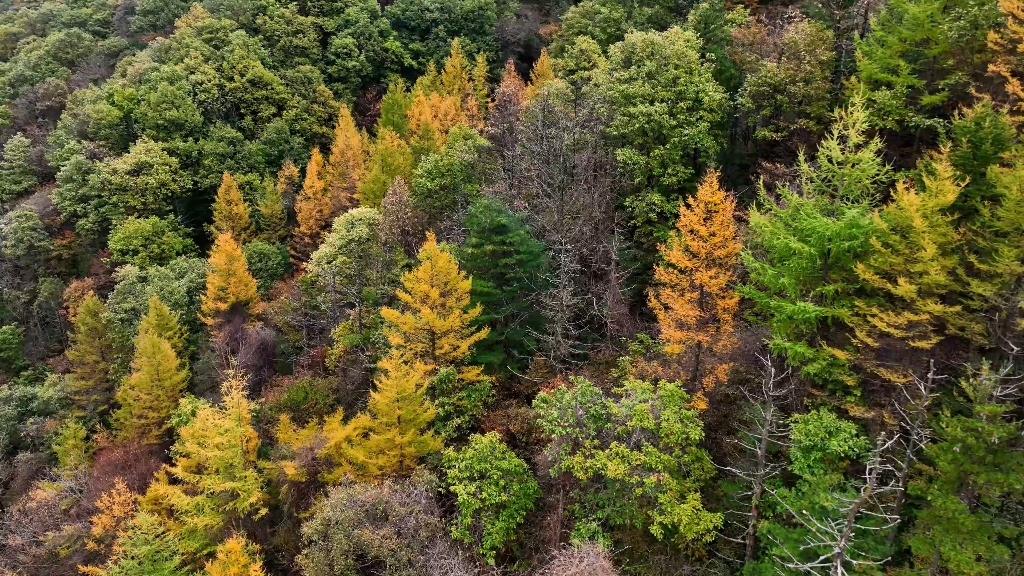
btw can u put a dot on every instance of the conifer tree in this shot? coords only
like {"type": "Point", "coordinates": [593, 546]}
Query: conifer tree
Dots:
{"type": "Point", "coordinates": [17, 174]}
{"type": "Point", "coordinates": [312, 209]}
{"type": "Point", "coordinates": [273, 214]}
{"type": "Point", "coordinates": [214, 477]}
{"type": "Point", "coordinates": [345, 163]}
{"type": "Point", "coordinates": [507, 264]}
{"type": "Point", "coordinates": [143, 548]}
{"type": "Point", "coordinates": [287, 180]}
{"type": "Point", "coordinates": [481, 85]}
{"type": "Point", "coordinates": [92, 355]}
{"type": "Point", "coordinates": [160, 321]}
{"type": "Point", "coordinates": [455, 76]}
{"type": "Point", "coordinates": [435, 326]}
{"type": "Point", "coordinates": [390, 158]}
{"type": "Point", "coordinates": [229, 285]}
{"type": "Point", "coordinates": [913, 267]}
{"type": "Point", "coordinates": [394, 109]}
{"type": "Point", "coordinates": [1006, 42]}
{"type": "Point", "coordinates": [694, 300]}
{"type": "Point", "coordinates": [150, 393]}
{"type": "Point", "coordinates": [230, 212]}
{"type": "Point", "coordinates": [543, 72]}
{"type": "Point", "coordinates": [394, 432]}
{"type": "Point", "coordinates": [235, 556]}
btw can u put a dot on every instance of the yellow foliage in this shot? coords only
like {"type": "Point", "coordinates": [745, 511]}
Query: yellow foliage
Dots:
{"type": "Point", "coordinates": [313, 209]}
{"type": "Point", "coordinates": [431, 117]}
{"type": "Point", "coordinates": [543, 72]}
{"type": "Point", "coordinates": [693, 298]}
{"type": "Point", "coordinates": [455, 79]}
{"type": "Point", "coordinates": [161, 321]}
{"type": "Point", "coordinates": [229, 285]}
{"type": "Point", "coordinates": [434, 326]}
{"type": "Point", "coordinates": [150, 393]}
{"type": "Point", "coordinates": [390, 158]}
{"type": "Point", "coordinates": [236, 556]}
{"type": "Point", "coordinates": [346, 162]}
{"type": "Point", "coordinates": [115, 508]}
{"type": "Point", "coordinates": [1008, 44]}
{"type": "Point", "coordinates": [230, 213]}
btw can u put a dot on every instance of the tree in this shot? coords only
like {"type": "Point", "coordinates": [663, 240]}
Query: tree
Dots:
{"type": "Point", "coordinates": [436, 325]}
{"type": "Point", "coordinates": [636, 456]}
{"type": "Point", "coordinates": [144, 548]}
{"type": "Point", "coordinates": [400, 226]}
{"type": "Point", "coordinates": [235, 556]}
{"type": "Point", "coordinates": [390, 158]}
{"type": "Point", "coordinates": [694, 301]}
{"type": "Point", "coordinates": [481, 85]}
{"type": "Point", "coordinates": [444, 183]}
{"type": "Point", "coordinates": [230, 288]}
{"type": "Point", "coordinates": [163, 323]}
{"type": "Point", "coordinates": [149, 394]}
{"type": "Point", "coordinates": [971, 473]}
{"type": "Point", "coordinates": [93, 357]}
{"type": "Point", "coordinates": [426, 28]}
{"type": "Point", "coordinates": [230, 212]}
{"type": "Point", "coordinates": [1005, 42]}
{"type": "Point", "coordinates": [17, 173]}
{"type": "Point", "coordinates": [668, 115]}
{"type": "Point", "coordinates": [391, 436]}
{"type": "Point", "coordinates": [543, 71]}
{"type": "Point", "coordinates": [394, 109]}
{"type": "Point", "coordinates": [507, 265]}
{"type": "Point", "coordinates": [455, 80]}
{"type": "Point", "coordinates": [151, 241]}
{"type": "Point", "coordinates": [268, 263]}
{"type": "Point", "coordinates": [313, 208]}
{"type": "Point", "coordinates": [214, 477]}
{"type": "Point", "coordinates": [804, 247]}
{"type": "Point", "coordinates": [11, 359]}
{"type": "Point", "coordinates": [493, 490]}
{"type": "Point", "coordinates": [345, 164]}
{"type": "Point", "coordinates": [272, 211]}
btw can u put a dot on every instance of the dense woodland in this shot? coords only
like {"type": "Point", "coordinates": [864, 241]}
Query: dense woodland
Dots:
{"type": "Point", "coordinates": [478, 287]}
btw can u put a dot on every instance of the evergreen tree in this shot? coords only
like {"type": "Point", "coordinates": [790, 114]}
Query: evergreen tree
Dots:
{"type": "Point", "coordinates": [1005, 41]}
{"type": "Point", "coordinates": [345, 164]}
{"type": "Point", "coordinates": [235, 556]}
{"type": "Point", "coordinates": [230, 287]}
{"type": "Point", "coordinates": [273, 215]}
{"type": "Point", "coordinates": [17, 173]}
{"type": "Point", "coordinates": [481, 85]}
{"type": "Point", "coordinates": [390, 158]}
{"type": "Point", "coordinates": [160, 321]}
{"type": "Point", "coordinates": [143, 548]}
{"type": "Point", "coordinates": [230, 212]}
{"type": "Point", "coordinates": [974, 474]}
{"type": "Point", "coordinates": [394, 109]}
{"type": "Point", "coordinates": [455, 76]}
{"type": "Point", "coordinates": [214, 477]}
{"type": "Point", "coordinates": [435, 326]}
{"type": "Point", "coordinates": [506, 264]}
{"type": "Point", "coordinates": [694, 301]}
{"type": "Point", "coordinates": [312, 208]}
{"type": "Point", "coordinates": [804, 248]}
{"type": "Point", "coordinates": [150, 393]}
{"type": "Point", "coordinates": [93, 357]}
{"type": "Point", "coordinates": [394, 432]}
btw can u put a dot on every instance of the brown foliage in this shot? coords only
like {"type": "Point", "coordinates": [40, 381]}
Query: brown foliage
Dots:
{"type": "Point", "coordinates": [585, 560]}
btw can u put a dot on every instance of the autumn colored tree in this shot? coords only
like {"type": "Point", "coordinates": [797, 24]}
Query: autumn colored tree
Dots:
{"type": "Point", "coordinates": [543, 72]}
{"type": "Point", "coordinates": [93, 356]}
{"type": "Point", "coordinates": [346, 162]}
{"type": "Point", "coordinates": [435, 325]}
{"type": "Point", "coordinates": [214, 477]}
{"type": "Point", "coordinates": [229, 285]}
{"type": "Point", "coordinates": [235, 556]}
{"type": "Point", "coordinates": [160, 321]}
{"type": "Point", "coordinates": [150, 393]}
{"type": "Point", "coordinates": [312, 208]}
{"type": "Point", "coordinates": [230, 212]}
{"type": "Point", "coordinates": [693, 300]}
{"type": "Point", "coordinates": [390, 158]}
{"type": "Point", "coordinates": [272, 211]}
{"type": "Point", "coordinates": [1007, 42]}
{"type": "Point", "coordinates": [455, 76]}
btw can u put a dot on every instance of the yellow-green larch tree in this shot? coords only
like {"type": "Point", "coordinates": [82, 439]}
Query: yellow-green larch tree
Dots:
{"type": "Point", "coordinates": [230, 212]}
{"type": "Point", "coordinates": [346, 162]}
{"type": "Point", "coordinates": [92, 355]}
{"type": "Point", "coordinates": [230, 288]}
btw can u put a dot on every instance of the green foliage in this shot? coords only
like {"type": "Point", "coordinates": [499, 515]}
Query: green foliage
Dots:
{"type": "Point", "coordinates": [151, 241]}
{"type": "Point", "coordinates": [494, 490]}
{"type": "Point", "coordinates": [93, 355]}
{"type": "Point", "coordinates": [426, 27]}
{"type": "Point", "coordinates": [149, 394]}
{"type": "Point", "coordinates": [17, 172]}
{"type": "Point", "coordinates": [28, 405]}
{"type": "Point", "coordinates": [444, 184]}
{"type": "Point", "coordinates": [23, 239]}
{"type": "Point", "coordinates": [636, 455]}
{"type": "Point", "coordinates": [178, 285]}
{"type": "Point", "coordinates": [506, 263]}
{"type": "Point", "coordinates": [11, 360]}
{"type": "Point", "coordinates": [667, 124]}
{"type": "Point", "coordinates": [823, 444]}
{"type": "Point", "coordinates": [972, 477]}
{"type": "Point", "coordinates": [459, 403]}
{"type": "Point", "coordinates": [268, 262]}
{"type": "Point", "coordinates": [71, 447]}
{"type": "Point", "coordinates": [146, 548]}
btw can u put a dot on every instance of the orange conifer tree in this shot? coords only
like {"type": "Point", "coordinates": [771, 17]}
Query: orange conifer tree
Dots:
{"type": "Point", "coordinates": [229, 285]}
{"type": "Point", "coordinates": [312, 209]}
{"type": "Point", "coordinates": [1008, 44]}
{"type": "Point", "coordinates": [693, 299]}
{"type": "Point", "coordinates": [346, 162]}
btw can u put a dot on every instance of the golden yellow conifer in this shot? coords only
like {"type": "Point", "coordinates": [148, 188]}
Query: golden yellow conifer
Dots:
{"type": "Point", "coordinates": [230, 213]}
{"type": "Point", "coordinates": [161, 321]}
{"type": "Point", "coordinates": [151, 392]}
{"type": "Point", "coordinates": [235, 556]}
{"type": "Point", "coordinates": [1007, 42]}
{"type": "Point", "coordinates": [693, 299]}
{"type": "Point", "coordinates": [435, 324]}
{"type": "Point", "coordinates": [313, 209]}
{"type": "Point", "coordinates": [346, 162]}
{"type": "Point", "coordinates": [229, 285]}
{"type": "Point", "coordinates": [455, 80]}
{"type": "Point", "coordinates": [542, 73]}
